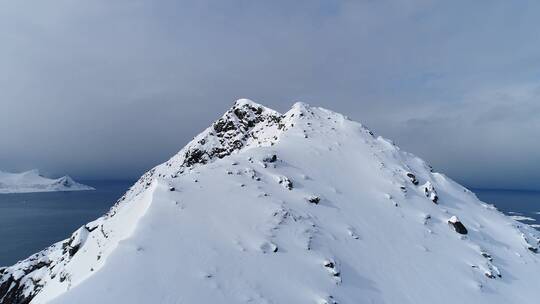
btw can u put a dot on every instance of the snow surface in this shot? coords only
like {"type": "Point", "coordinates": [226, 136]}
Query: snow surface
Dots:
{"type": "Point", "coordinates": [32, 181]}
{"type": "Point", "coordinates": [304, 207]}
{"type": "Point", "coordinates": [522, 218]}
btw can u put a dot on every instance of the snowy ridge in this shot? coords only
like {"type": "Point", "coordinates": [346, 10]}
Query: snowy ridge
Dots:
{"type": "Point", "coordinates": [32, 181]}
{"type": "Point", "coordinates": [304, 207]}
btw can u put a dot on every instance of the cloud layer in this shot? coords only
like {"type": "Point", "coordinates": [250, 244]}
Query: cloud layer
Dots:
{"type": "Point", "coordinates": [107, 89]}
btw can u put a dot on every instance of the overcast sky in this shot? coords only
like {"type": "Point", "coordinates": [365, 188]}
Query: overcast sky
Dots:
{"type": "Point", "coordinates": [107, 89]}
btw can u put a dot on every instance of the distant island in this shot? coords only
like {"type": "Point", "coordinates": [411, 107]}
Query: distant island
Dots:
{"type": "Point", "coordinates": [32, 181]}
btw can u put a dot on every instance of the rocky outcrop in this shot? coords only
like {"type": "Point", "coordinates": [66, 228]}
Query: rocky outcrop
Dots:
{"type": "Point", "coordinates": [246, 123]}
{"type": "Point", "coordinates": [412, 178]}
{"type": "Point", "coordinates": [457, 225]}
{"type": "Point", "coordinates": [21, 282]}
{"type": "Point", "coordinates": [313, 199]}
{"type": "Point", "coordinates": [430, 192]}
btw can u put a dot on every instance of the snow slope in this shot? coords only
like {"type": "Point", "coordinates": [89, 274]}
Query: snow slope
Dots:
{"type": "Point", "coordinates": [32, 181]}
{"type": "Point", "coordinates": [304, 207]}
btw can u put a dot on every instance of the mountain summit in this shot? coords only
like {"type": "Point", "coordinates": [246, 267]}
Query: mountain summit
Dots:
{"type": "Point", "coordinates": [301, 207]}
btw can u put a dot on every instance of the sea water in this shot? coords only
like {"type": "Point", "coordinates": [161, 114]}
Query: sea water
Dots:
{"type": "Point", "coordinates": [522, 205]}
{"type": "Point", "coordinates": [30, 222]}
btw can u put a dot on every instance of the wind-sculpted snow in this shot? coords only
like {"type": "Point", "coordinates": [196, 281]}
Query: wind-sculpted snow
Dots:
{"type": "Point", "coordinates": [32, 181]}
{"type": "Point", "coordinates": [304, 207]}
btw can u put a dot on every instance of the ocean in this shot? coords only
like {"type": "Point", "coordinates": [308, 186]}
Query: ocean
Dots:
{"type": "Point", "coordinates": [32, 221]}
{"type": "Point", "coordinates": [522, 205]}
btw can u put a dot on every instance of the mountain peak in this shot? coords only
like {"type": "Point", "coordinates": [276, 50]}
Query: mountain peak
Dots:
{"type": "Point", "coordinates": [304, 207]}
{"type": "Point", "coordinates": [301, 106]}
{"type": "Point", "coordinates": [247, 102]}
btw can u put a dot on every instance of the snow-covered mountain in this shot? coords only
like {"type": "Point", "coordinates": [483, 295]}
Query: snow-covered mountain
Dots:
{"type": "Point", "coordinates": [301, 207]}
{"type": "Point", "coordinates": [32, 181]}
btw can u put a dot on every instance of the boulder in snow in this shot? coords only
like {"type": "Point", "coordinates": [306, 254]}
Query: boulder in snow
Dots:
{"type": "Point", "coordinates": [285, 182]}
{"type": "Point", "coordinates": [457, 225]}
{"type": "Point", "coordinates": [412, 177]}
{"type": "Point", "coordinates": [314, 199]}
{"type": "Point", "coordinates": [430, 192]}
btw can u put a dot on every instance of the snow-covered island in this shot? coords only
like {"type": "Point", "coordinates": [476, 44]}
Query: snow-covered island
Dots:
{"type": "Point", "coordinates": [32, 181]}
{"type": "Point", "coordinates": [302, 207]}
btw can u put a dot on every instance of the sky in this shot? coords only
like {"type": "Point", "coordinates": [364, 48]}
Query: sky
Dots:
{"type": "Point", "coordinates": [108, 89]}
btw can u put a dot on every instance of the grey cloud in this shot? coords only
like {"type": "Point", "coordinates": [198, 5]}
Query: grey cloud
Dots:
{"type": "Point", "coordinates": [102, 89]}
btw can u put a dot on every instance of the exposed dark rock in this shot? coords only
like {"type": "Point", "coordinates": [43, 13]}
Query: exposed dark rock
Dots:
{"type": "Point", "coordinates": [430, 192]}
{"type": "Point", "coordinates": [73, 249]}
{"type": "Point", "coordinates": [194, 157]}
{"type": "Point", "coordinates": [286, 182]}
{"type": "Point", "coordinates": [11, 292]}
{"type": "Point", "coordinates": [332, 269]}
{"type": "Point", "coordinates": [270, 159]}
{"type": "Point", "coordinates": [237, 145]}
{"type": "Point", "coordinates": [239, 113]}
{"type": "Point", "coordinates": [63, 276]}
{"type": "Point", "coordinates": [412, 177]}
{"type": "Point", "coordinates": [232, 131]}
{"type": "Point", "coordinates": [530, 246]}
{"type": "Point", "coordinates": [91, 228]}
{"type": "Point", "coordinates": [269, 247]}
{"type": "Point", "coordinates": [330, 300]}
{"type": "Point", "coordinates": [427, 217]}
{"type": "Point", "coordinates": [314, 199]}
{"type": "Point", "coordinates": [489, 275]}
{"type": "Point", "coordinates": [486, 255]}
{"type": "Point", "coordinates": [221, 126]}
{"type": "Point", "coordinates": [457, 225]}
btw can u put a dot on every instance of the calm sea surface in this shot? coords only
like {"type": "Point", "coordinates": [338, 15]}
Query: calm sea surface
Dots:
{"type": "Point", "coordinates": [32, 221]}
{"type": "Point", "coordinates": [523, 206]}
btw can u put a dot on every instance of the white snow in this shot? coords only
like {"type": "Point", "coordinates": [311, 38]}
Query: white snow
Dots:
{"type": "Point", "coordinates": [453, 219]}
{"type": "Point", "coordinates": [522, 218]}
{"type": "Point", "coordinates": [235, 231]}
{"type": "Point", "coordinates": [32, 181]}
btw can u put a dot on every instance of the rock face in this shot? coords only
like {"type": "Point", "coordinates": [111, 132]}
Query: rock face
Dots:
{"type": "Point", "coordinates": [430, 192]}
{"type": "Point", "coordinates": [457, 225]}
{"type": "Point", "coordinates": [301, 207]}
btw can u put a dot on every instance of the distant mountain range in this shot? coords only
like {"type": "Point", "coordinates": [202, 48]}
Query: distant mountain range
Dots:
{"type": "Point", "coordinates": [32, 181]}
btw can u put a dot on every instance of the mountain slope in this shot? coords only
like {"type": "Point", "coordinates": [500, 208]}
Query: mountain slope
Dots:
{"type": "Point", "coordinates": [304, 207]}
{"type": "Point", "coordinates": [32, 181]}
